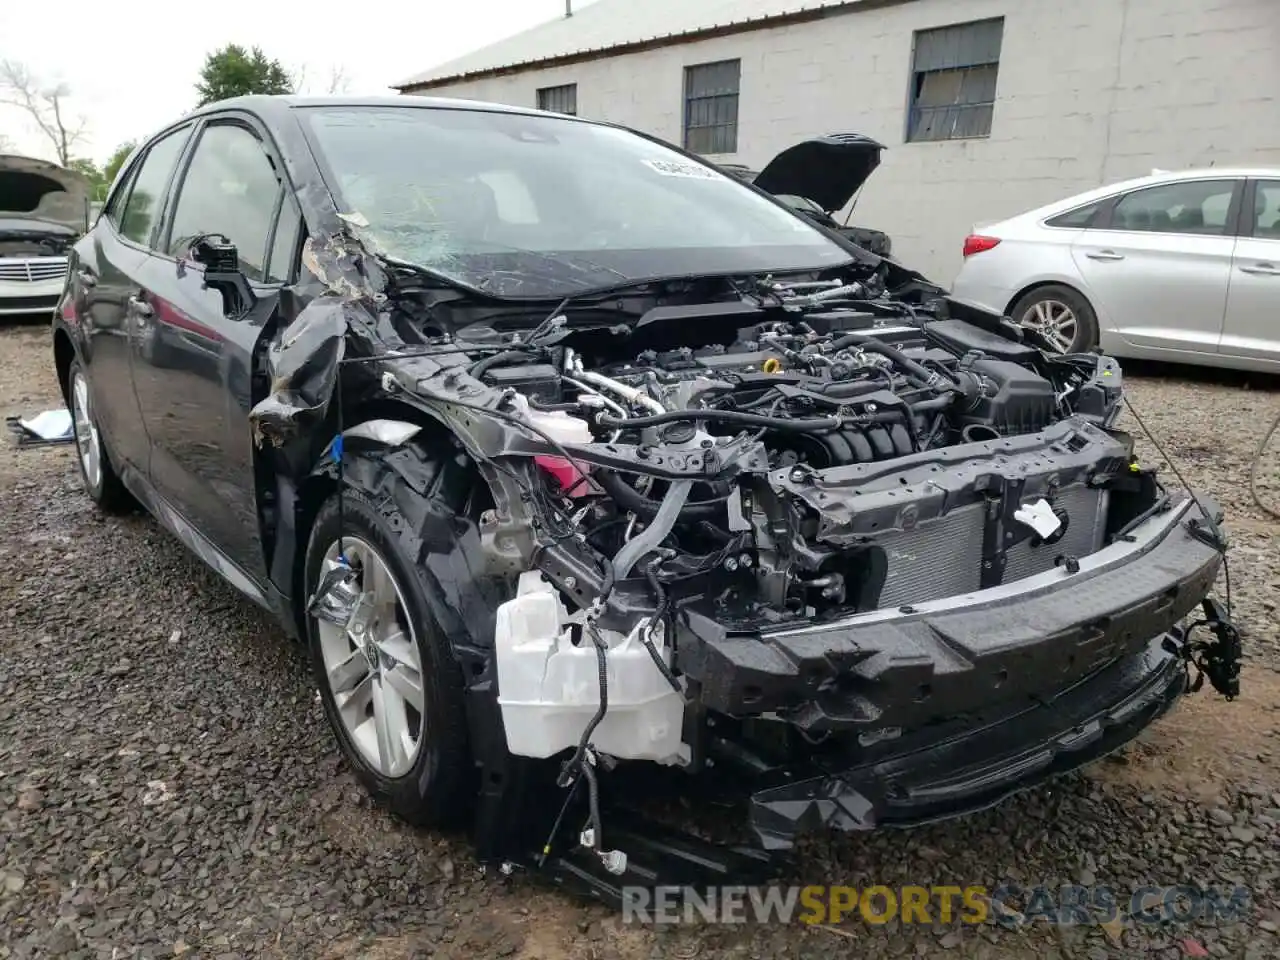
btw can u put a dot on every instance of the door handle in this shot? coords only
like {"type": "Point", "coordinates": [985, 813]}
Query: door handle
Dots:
{"type": "Point", "coordinates": [1104, 255]}
{"type": "Point", "coordinates": [87, 278]}
{"type": "Point", "coordinates": [141, 308]}
{"type": "Point", "coordinates": [1263, 269]}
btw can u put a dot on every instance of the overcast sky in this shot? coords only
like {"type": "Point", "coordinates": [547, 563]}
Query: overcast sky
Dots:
{"type": "Point", "coordinates": [131, 66]}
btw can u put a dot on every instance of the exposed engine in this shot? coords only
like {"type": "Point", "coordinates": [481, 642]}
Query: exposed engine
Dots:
{"type": "Point", "coordinates": [29, 242]}
{"type": "Point", "coordinates": [768, 406]}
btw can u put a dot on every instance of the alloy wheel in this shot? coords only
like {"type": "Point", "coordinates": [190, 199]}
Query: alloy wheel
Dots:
{"type": "Point", "coordinates": [373, 666]}
{"type": "Point", "coordinates": [88, 442]}
{"type": "Point", "coordinates": [1053, 320]}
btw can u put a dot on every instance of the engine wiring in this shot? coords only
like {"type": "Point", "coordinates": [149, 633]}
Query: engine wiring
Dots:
{"type": "Point", "coordinates": [1220, 542]}
{"type": "Point", "coordinates": [1269, 510]}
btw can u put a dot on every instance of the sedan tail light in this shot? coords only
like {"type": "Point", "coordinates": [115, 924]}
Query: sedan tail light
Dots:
{"type": "Point", "coordinates": [977, 243]}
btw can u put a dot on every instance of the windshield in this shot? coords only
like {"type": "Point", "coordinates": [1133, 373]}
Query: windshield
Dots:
{"type": "Point", "coordinates": [532, 206]}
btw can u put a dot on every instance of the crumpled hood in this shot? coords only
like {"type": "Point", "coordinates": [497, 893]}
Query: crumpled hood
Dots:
{"type": "Point", "coordinates": [827, 170]}
{"type": "Point", "coordinates": [32, 189]}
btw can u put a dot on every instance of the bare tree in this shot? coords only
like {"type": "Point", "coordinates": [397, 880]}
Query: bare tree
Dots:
{"type": "Point", "coordinates": [338, 81]}
{"type": "Point", "coordinates": [45, 105]}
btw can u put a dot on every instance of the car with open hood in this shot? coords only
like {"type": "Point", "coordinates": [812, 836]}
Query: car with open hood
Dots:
{"type": "Point", "coordinates": [819, 177]}
{"type": "Point", "coordinates": [573, 460]}
{"type": "Point", "coordinates": [44, 209]}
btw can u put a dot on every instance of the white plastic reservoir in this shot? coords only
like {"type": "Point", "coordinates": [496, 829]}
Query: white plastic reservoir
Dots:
{"type": "Point", "coordinates": [549, 689]}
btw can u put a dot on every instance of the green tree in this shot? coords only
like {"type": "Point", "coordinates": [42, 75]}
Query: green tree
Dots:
{"type": "Point", "coordinates": [235, 72]}
{"type": "Point", "coordinates": [117, 160]}
{"type": "Point", "coordinates": [97, 183]}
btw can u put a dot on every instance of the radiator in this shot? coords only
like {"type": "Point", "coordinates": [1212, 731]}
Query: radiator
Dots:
{"type": "Point", "coordinates": [944, 558]}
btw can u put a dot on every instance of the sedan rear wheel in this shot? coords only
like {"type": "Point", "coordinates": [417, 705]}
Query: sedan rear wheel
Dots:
{"type": "Point", "coordinates": [101, 482]}
{"type": "Point", "coordinates": [1061, 315]}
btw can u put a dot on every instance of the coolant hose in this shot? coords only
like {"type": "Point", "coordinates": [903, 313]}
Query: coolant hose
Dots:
{"type": "Point", "coordinates": [480, 367]}
{"type": "Point", "coordinates": [652, 535]}
{"type": "Point", "coordinates": [916, 371]}
{"type": "Point", "coordinates": [633, 501]}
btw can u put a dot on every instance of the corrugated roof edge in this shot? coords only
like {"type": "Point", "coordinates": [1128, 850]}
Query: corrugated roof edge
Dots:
{"type": "Point", "coordinates": [817, 12]}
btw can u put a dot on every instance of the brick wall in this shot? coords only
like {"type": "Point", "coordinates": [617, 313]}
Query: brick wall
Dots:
{"type": "Point", "coordinates": [1089, 92]}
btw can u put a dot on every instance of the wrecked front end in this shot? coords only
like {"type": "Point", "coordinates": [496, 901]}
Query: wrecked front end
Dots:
{"type": "Point", "coordinates": [860, 549]}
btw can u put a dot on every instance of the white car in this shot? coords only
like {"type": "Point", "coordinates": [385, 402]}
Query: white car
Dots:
{"type": "Point", "coordinates": [1179, 266]}
{"type": "Point", "coordinates": [44, 209]}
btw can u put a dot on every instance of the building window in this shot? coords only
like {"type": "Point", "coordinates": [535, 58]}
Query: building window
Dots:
{"type": "Point", "coordinates": [953, 80]}
{"type": "Point", "coordinates": [562, 99]}
{"type": "Point", "coordinates": [711, 107]}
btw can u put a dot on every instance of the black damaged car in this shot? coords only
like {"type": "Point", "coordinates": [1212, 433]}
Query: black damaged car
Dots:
{"type": "Point", "coordinates": [569, 456]}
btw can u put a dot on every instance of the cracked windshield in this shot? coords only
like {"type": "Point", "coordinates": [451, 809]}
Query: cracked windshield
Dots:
{"type": "Point", "coordinates": [525, 206]}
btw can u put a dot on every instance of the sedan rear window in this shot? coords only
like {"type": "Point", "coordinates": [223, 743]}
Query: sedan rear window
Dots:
{"type": "Point", "coordinates": [1080, 218]}
{"type": "Point", "coordinates": [534, 206]}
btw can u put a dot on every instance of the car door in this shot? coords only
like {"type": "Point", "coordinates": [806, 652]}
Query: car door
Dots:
{"type": "Point", "coordinates": [193, 370]}
{"type": "Point", "coordinates": [1156, 267]}
{"type": "Point", "coordinates": [107, 276]}
{"type": "Point", "coordinates": [1252, 328]}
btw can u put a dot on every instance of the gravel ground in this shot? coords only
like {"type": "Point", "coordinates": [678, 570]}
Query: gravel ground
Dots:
{"type": "Point", "coordinates": [168, 786]}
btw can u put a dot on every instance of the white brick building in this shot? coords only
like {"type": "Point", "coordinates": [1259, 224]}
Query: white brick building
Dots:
{"type": "Point", "coordinates": [1054, 97]}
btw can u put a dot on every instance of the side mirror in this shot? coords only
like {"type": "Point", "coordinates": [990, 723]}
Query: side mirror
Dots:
{"type": "Point", "coordinates": [221, 262]}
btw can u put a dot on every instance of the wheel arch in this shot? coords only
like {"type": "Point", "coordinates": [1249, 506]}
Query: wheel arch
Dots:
{"type": "Point", "coordinates": [64, 354]}
{"type": "Point", "coordinates": [312, 489]}
{"type": "Point", "coordinates": [1040, 284]}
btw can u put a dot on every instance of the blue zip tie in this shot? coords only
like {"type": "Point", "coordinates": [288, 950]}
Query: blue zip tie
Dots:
{"type": "Point", "coordinates": [335, 453]}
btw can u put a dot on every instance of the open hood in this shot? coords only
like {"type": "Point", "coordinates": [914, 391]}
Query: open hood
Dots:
{"type": "Point", "coordinates": [826, 170]}
{"type": "Point", "coordinates": [32, 189]}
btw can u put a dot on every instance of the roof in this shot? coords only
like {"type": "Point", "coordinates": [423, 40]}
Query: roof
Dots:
{"type": "Point", "coordinates": [271, 102]}
{"type": "Point", "coordinates": [612, 25]}
{"type": "Point", "coordinates": [1151, 180]}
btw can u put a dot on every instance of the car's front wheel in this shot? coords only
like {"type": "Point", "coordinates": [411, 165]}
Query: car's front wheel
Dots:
{"type": "Point", "coordinates": [391, 689]}
{"type": "Point", "coordinates": [101, 482]}
{"type": "Point", "coordinates": [1059, 314]}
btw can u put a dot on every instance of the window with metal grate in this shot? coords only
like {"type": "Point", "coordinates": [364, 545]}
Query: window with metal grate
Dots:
{"type": "Point", "coordinates": [953, 80]}
{"type": "Point", "coordinates": [711, 107]}
{"type": "Point", "coordinates": [561, 99]}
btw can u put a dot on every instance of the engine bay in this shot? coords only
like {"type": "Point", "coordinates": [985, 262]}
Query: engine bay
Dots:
{"type": "Point", "coordinates": [743, 463]}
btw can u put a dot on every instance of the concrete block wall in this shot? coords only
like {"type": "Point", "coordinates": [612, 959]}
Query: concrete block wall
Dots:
{"type": "Point", "coordinates": [1089, 92]}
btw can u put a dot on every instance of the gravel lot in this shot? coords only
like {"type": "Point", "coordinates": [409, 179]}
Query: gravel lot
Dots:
{"type": "Point", "coordinates": [168, 785]}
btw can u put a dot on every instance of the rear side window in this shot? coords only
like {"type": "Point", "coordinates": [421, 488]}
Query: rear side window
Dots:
{"type": "Point", "coordinates": [1266, 210]}
{"type": "Point", "coordinates": [146, 196]}
{"type": "Point", "coordinates": [230, 188]}
{"type": "Point", "coordinates": [1080, 218]}
{"type": "Point", "coordinates": [1196, 206]}
{"type": "Point", "coordinates": [115, 209]}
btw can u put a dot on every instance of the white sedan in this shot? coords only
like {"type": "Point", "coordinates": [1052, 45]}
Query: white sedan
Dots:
{"type": "Point", "coordinates": [44, 209]}
{"type": "Point", "coordinates": [1179, 266]}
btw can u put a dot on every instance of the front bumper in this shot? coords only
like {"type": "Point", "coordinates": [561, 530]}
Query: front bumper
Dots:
{"type": "Point", "coordinates": [936, 778]}
{"type": "Point", "coordinates": [880, 673]}
{"type": "Point", "coordinates": [930, 712]}
{"type": "Point", "coordinates": [31, 285]}
{"type": "Point", "coordinates": [28, 302]}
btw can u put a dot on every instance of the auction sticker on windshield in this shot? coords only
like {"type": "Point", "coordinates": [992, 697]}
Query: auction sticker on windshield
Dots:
{"type": "Point", "coordinates": [683, 168]}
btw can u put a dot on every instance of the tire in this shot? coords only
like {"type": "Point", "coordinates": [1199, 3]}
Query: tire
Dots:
{"type": "Point", "coordinates": [437, 787]}
{"type": "Point", "coordinates": [101, 482]}
{"type": "Point", "coordinates": [1037, 307]}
